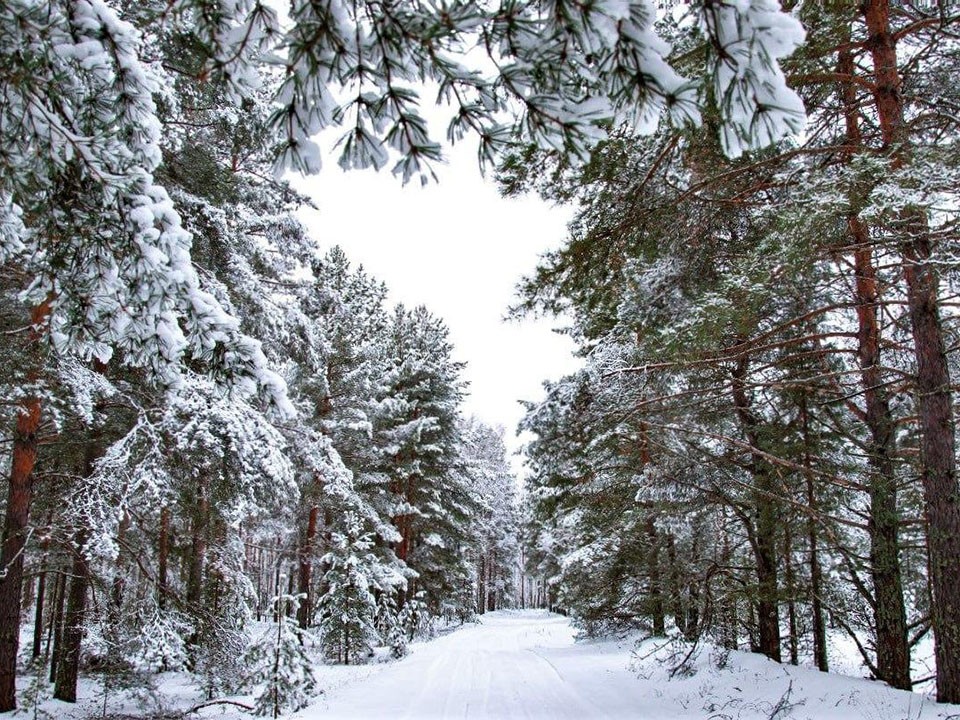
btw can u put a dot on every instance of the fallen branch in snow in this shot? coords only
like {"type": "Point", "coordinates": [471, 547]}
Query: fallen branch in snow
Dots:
{"type": "Point", "coordinates": [784, 706]}
{"type": "Point", "coordinates": [211, 703]}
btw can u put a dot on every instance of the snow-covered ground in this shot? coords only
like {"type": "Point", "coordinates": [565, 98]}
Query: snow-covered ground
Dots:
{"type": "Point", "coordinates": [527, 665]}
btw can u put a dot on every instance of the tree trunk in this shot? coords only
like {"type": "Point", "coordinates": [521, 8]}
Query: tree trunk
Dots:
{"type": "Point", "coordinates": [934, 397]}
{"type": "Point", "coordinates": [41, 596]}
{"type": "Point", "coordinates": [938, 470]}
{"type": "Point", "coordinates": [728, 605]}
{"type": "Point", "coordinates": [195, 568]}
{"type": "Point", "coordinates": [766, 520]}
{"type": "Point", "coordinates": [56, 624]}
{"type": "Point", "coordinates": [890, 618]}
{"type": "Point", "coordinates": [791, 588]}
{"type": "Point", "coordinates": [676, 587]}
{"type": "Point", "coordinates": [491, 591]}
{"type": "Point", "coordinates": [816, 573]}
{"type": "Point", "coordinates": [118, 584]}
{"type": "Point", "coordinates": [198, 548]}
{"type": "Point", "coordinates": [482, 584]}
{"type": "Point", "coordinates": [305, 570]}
{"type": "Point", "coordinates": [163, 554]}
{"type": "Point", "coordinates": [656, 584]}
{"type": "Point", "coordinates": [38, 615]}
{"type": "Point", "coordinates": [68, 666]}
{"type": "Point", "coordinates": [19, 494]}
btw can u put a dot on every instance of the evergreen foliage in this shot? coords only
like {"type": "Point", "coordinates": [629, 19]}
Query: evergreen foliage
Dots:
{"type": "Point", "coordinates": [749, 439]}
{"type": "Point", "coordinates": [211, 420]}
{"type": "Point", "coordinates": [278, 663]}
{"type": "Point", "coordinates": [348, 609]}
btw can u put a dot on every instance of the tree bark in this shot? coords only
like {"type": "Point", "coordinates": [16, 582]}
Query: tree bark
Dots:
{"type": "Point", "coordinates": [198, 548]}
{"type": "Point", "coordinates": [491, 589]}
{"type": "Point", "coordinates": [890, 618]}
{"type": "Point", "coordinates": [816, 572]}
{"type": "Point", "coordinates": [656, 584]}
{"type": "Point", "coordinates": [728, 609]}
{"type": "Point", "coordinates": [41, 597]}
{"type": "Point", "coordinates": [68, 666]}
{"type": "Point", "coordinates": [482, 584]}
{"type": "Point", "coordinates": [119, 583]}
{"type": "Point", "coordinates": [676, 587]}
{"type": "Point", "coordinates": [766, 521]}
{"type": "Point", "coordinates": [791, 588]}
{"type": "Point", "coordinates": [934, 397]}
{"type": "Point", "coordinates": [19, 494]}
{"type": "Point", "coordinates": [56, 624]}
{"type": "Point", "coordinates": [305, 569]}
{"type": "Point", "coordinates": [163, 554]}
{"type": "Point", "coordinates": [196, 567]}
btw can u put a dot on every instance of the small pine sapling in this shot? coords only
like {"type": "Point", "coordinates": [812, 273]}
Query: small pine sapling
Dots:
{"type": "Point", "coordinates": [280, 665]}
{"type": "Point", "coordinates": [415, 618]}
{"type": "Point", "coordinates": [389, 625]}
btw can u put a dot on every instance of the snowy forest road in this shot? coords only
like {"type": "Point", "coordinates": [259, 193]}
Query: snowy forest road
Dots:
{"type": "Point", "coordinates": [512, 665]}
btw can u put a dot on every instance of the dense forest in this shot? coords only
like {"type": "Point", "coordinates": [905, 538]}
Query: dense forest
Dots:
{"type": "Point", "coordinates": [263, 439]}
{"type": "Point", "coordinates": [760, 448]}
{"type": "Point", "coordinates": [228, 455]}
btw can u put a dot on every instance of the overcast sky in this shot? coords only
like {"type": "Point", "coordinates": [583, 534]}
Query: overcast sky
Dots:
{"type": "Point", "coordinates": [460, 249]}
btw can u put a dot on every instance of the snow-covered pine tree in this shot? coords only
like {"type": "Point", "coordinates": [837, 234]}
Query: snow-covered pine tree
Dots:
{"type": "Point", "coordinates": [341, 324]}
{"type": "Point", "coordinates": [787, 279]}
{"type": "Point", "coordinates": [416, 432]}
{"type": "Point", "coordinates": [348, 609]}
{"type": "Point", "coordinates": [102, 258]}
{"type": "Point", "coordinates": [118, 281]}
{"type": "Point", "coordinates": [495, 531]}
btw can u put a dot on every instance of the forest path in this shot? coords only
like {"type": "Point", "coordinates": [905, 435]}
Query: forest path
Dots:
{"type": "Point", "coordinates": [513, 665]}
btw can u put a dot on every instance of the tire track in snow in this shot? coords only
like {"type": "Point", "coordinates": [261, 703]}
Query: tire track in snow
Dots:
{"type": "Point", "coordinates": [497, 670]}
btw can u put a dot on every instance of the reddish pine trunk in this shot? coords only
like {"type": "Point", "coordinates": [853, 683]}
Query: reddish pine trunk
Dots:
{"type": "Point", "coordinates": [934, 397]}
{"type": "Point", "coordinates": [890, 618]}
{"type": "Point", "coordinates": [19, 494]}
{"type": "Point", "coordinates": [938, 473]}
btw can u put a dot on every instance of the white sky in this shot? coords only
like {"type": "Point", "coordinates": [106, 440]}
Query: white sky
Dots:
{"type": "Point", "coordinates": [460, 249]}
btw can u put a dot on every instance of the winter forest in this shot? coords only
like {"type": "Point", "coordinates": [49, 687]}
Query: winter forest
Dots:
{"type": "Point", "coordinates": [240, 480]}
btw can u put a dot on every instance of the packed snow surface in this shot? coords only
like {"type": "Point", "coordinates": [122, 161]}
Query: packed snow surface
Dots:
{"type": "Point", "coordinates": [526, 664]}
